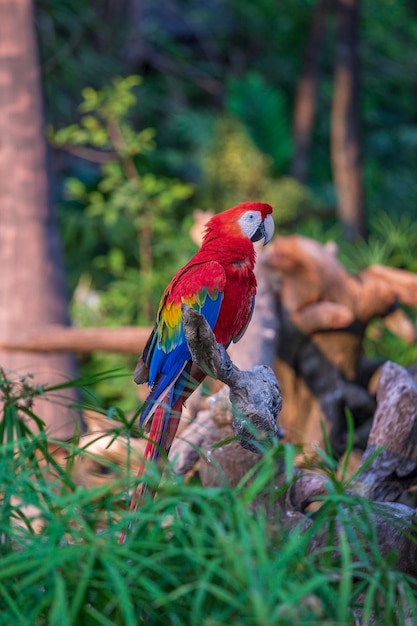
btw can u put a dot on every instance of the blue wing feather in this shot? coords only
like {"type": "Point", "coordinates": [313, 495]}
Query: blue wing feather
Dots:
{"type": "Point", "coordinates": [168, 369]}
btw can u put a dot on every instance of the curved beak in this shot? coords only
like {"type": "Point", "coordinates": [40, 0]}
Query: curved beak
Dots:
{"type": "Point", "coordinates": [265, 230]}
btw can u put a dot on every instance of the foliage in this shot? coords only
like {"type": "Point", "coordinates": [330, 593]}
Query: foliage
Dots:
{"type": "Point", "coordinates": [128, 203]}
{"type": "Point", "coordinates": [193, 555]}
{"type": "Point", "coordinates": [396, 238]}
{"type": "Point", "coordinates": [264, 111]}
{"type": "Point", "coordinates": [235, 169]}
{"type": "Point", "coordinates": [81, 43]}
{"type": "Point", "coordinates": [388, 106]}
{"type": "Point", "coordinates": [202, 60]}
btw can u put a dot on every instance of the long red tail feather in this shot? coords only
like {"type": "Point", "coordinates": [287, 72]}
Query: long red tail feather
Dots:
{"type": "Point", "coordinates": [164, 426]}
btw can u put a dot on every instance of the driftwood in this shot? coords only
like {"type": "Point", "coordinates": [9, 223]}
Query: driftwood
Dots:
{"type": "Point", "coordinates": [255, 402]}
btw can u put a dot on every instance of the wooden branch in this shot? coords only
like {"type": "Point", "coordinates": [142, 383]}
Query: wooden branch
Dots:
{"type": "Point", "coordinates": [255, 395]}
{"type": "Point", "coordinates": [89, 154]}
{"type": "Point", "coordinates": [128, 340]}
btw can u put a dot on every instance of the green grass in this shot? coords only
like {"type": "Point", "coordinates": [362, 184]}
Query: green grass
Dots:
{"type": "Point", "coordinates": [193, 556]}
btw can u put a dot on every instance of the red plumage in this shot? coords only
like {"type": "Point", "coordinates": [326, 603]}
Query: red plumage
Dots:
{"type": "Point", "coordinates": [219, 282]}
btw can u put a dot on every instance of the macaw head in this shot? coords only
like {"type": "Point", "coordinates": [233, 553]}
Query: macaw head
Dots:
{"type": "Point", "coordinates": [251, 220]}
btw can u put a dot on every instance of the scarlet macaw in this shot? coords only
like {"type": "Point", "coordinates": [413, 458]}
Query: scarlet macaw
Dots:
{"type": "Point", "coordinates": [219, 282]}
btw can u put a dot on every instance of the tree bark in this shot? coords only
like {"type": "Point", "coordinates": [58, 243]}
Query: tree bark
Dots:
{"type": "Point", "coordinates": [306, 95]}
{"type": "Point", "coordinates": [345, 140]}
{"type": "Point", "coordinates": [32, 293]}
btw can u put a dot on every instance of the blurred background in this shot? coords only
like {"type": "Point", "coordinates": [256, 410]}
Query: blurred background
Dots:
{"type": "Point", "coordinates": [154, 109]}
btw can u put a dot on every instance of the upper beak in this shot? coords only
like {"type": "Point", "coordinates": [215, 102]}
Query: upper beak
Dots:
{"type": "Point", "coordinates": [269, 228]}
{"type": "Point", "coordinates": [265, 230]}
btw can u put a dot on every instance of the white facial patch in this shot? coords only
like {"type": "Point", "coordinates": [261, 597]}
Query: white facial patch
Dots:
{"type": "Point", "coordinates": [250, 222]}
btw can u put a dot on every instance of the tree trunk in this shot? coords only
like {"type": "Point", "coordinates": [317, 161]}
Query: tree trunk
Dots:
{"type": "Point", "coordinates": [306, 96]}
{"type": "Point", "coordinates": [345, 142]}
{"type": "Point", "coordinates": [32, 293]}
